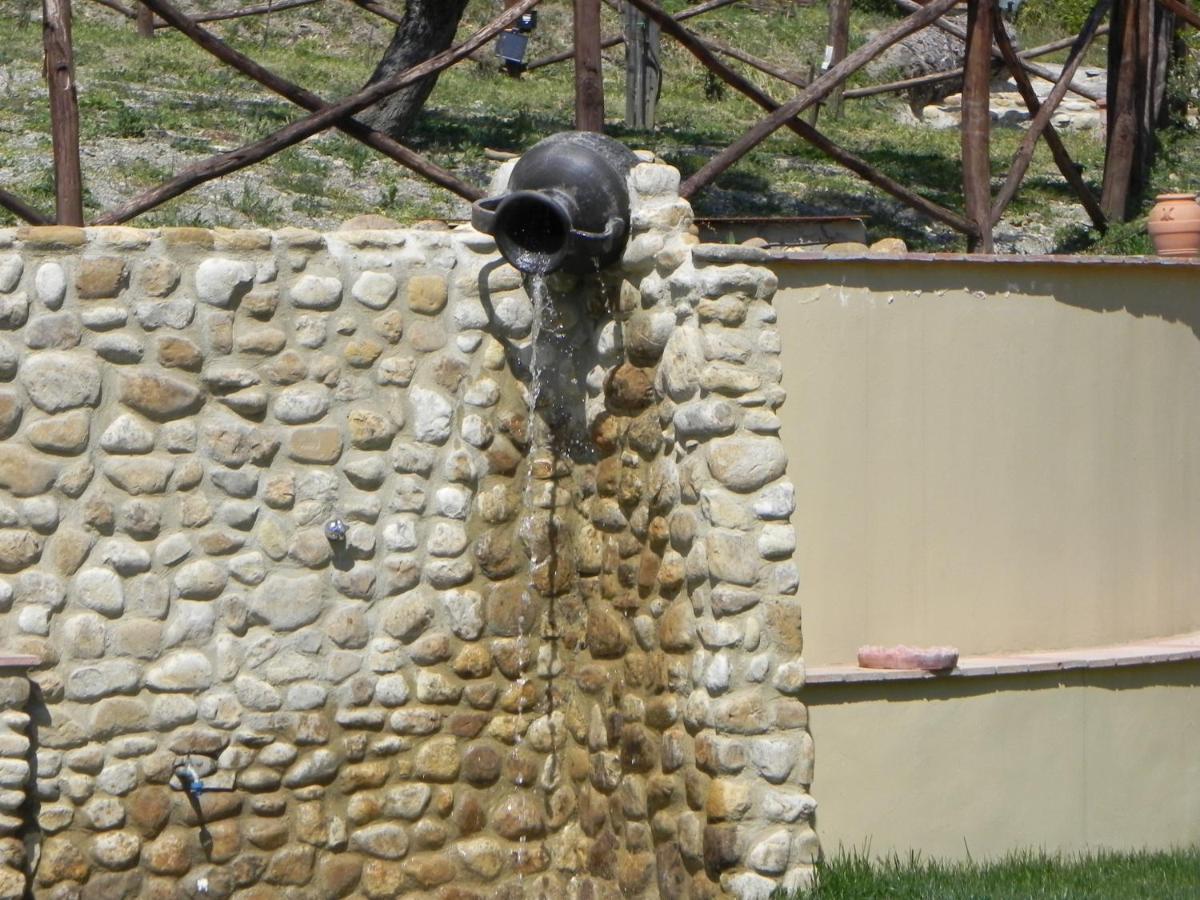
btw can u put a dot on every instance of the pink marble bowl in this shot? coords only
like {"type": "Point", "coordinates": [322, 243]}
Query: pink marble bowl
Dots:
{"type": "Point", "coordinates": [932, 659]}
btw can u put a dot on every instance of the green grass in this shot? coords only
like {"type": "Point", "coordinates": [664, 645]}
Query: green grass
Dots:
{"type": "Point", "coordinates": [168, 93]}
{"type": "Point", "coordinates": [1022, 876]}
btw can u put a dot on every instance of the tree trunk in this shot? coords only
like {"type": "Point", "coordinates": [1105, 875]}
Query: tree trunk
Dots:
{"type": "Point", "coordinates": [426, 30]}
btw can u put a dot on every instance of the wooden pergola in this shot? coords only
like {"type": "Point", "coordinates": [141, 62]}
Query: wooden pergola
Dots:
{"type": "Point", "coordinates": [1138, 54]}
{"type": "Point", "coordinates": [1140, 37]}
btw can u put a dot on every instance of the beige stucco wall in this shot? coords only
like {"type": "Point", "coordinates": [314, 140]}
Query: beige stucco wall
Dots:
{"type": "Point", "coordinates": [1065, 762]}
{"type": "Point", "coordinates": [993, 456]}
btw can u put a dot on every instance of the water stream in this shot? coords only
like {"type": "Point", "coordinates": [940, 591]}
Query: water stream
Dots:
{"type": "Point", "coordinates": [547, 341]}
{"type": "Point", "coordinates": [549, 346]}
{"type": "Point", "coordinates": [558, 434]}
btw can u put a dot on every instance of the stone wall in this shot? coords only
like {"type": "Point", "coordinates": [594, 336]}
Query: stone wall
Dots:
{"type": "Point", "coordinates": [14, 776]}
{"type": "Point", "coordinates": [552, 652]}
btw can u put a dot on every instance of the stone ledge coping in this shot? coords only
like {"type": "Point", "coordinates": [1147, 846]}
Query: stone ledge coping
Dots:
{"type": "Point", "coordinates": [18, 662]}
{"type": "Point", "coordinates": [979, 258]}
{"type": "Point", "coordinates": [1177, 648]}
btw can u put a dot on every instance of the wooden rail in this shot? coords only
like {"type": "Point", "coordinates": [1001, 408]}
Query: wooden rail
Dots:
{"type": "Point", "coordinates": [765, 66]}
{"type": "Point", "coordinates": [612, 41]}
{"type": "Point", "coordinates": [1032, 68]}
{"type": "Point", "coordinates": [698, 48]}
{"type": "Point", "coordinates": [810, 95]}
{"type": "Point", "coordinates": [1061, 158]}
{"type": "Point", "coordinates": [265, 9]}
{"type": "Point", "coordinates": [1129, 117]}
{"type": "Point", "coordinates": [310, 101]}
{"type": "Point", "coordinates": [21, 209]}
{"type": "Point", "coordinates": [1182, 10]}
{"type": "Point", "coordinates": [117, 7]}
{"type": "Point", "coordinates": [921, 80]}
{"type": "Point", "coordinates": [327, 116]}
{"type": "Point", "coordinates": [1041, 121]}
{"type": "Point", "coordinates": [372, 6]}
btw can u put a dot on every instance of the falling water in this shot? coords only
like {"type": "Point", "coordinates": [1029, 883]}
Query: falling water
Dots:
{"type": "Point", "coordinates": [550, 433]}
{"type": "Point", "coordinates": [541, 435]}
{"type": "Point", "coordinates": [548, 343]}
{"type": "Point", "coordinates": [560, 333]}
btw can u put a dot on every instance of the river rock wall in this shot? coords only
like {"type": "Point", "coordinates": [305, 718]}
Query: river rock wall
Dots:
{"type": "Point", "coordinates": [274, 510]}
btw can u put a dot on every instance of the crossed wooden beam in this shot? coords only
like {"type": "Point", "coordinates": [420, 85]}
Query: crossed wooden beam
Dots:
{"type": "Point", "coordinates": [982, 214]}
{"type": "Point", "coordinates": [323, 115]}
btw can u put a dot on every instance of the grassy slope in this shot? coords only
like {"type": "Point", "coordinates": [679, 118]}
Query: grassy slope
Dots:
{"type": "Point", "coordinates": [148, 107]}
{"type": "Point", "coordinates": [1028, 876]}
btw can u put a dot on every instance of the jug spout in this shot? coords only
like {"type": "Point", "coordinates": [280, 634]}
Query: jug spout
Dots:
{"type": "Point", "coordinates": [536, 231]}
{"type": "Point", "coordinates": [568, 206]}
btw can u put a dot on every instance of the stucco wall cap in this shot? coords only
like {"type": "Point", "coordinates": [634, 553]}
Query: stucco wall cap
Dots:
{"type": "Point", "coordinates": [1155, 651]}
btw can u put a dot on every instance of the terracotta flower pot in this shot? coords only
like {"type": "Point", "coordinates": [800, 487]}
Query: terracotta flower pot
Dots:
{"type": "Point", "coordinates": [1174, 225]}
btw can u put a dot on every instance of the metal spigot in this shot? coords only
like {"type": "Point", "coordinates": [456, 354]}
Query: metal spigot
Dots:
{"type": "Point", "coordinates": [191, 782]}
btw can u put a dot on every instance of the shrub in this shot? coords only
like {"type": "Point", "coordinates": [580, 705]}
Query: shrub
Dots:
{"type": "Point", "coordinates": [1061, 16]}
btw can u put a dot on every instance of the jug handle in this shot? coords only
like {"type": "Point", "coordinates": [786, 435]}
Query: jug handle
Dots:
{"type": "Point", "coordinates": [606, 238]}
{"type": "Point", "coordinates": [483, 214]}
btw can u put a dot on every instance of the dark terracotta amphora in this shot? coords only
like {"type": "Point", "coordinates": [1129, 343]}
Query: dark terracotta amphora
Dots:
{"type": "Point", "coordinates": [567, 206]}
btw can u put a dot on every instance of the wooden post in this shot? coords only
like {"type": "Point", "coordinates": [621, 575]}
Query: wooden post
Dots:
{"type": "Point", "coordinates": [145, 22]}
{"type": "Point", "coordinates": [1142, 150]}
{"type": "Point", "coordinates": [698, 10]}
{"type": "Point", "coordinates": [589, 81]}
{"type": "Point", "coordinates": [754, 62]}
{"type": "Point", "coordinates": [1122, 110]}
{"type": "Point", "coordinates": [976, 122]}
{"type": "Point", "coordinates": [810, 114]}
{"type": "Point", "coordinates": [835, 49]}
{"type": "Point", "coordinates": [1156, 29]}
{"type": "Point", "coordinates": [64, 111]}
{"type": "Point", "coordinates": [643, 72]}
